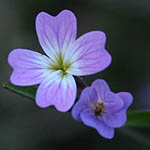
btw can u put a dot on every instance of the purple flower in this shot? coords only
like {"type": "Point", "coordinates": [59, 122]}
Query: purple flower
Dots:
{"type": "Point", "coordinates": [66, 56]}
{"type": "Point", "coordinates": [102, 109]}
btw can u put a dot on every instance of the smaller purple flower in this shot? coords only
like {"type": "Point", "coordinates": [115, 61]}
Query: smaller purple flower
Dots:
{"type": "Point", "coordinates": [102, 109]}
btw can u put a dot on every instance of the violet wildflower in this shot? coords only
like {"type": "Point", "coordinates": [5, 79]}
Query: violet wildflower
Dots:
{"type": "Point", "coordinates": [102, 109]}
{"type": "Point", "coordinates": [66, 57]}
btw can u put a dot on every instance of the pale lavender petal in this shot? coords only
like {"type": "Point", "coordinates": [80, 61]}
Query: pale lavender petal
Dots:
{"type": "Point", "coordinates": [89, 54]}
{"type": "Point", "coordinates": [29, 67]}
{"type": "Point", "coordinates": [66, 93]}
{"type": "Point", "coordinates": [27, 59]}
{"type": "Point", "coordinates": [115, 120]}
{"type": "Point", "coordinates": [87, 99]}
{"type": "Point", "coordinates": [101, 87]}
{"type": "Point", "coordinates": [89, 119]}
{"type": "Point", "coordinates": [112, 103]}
{"type": "Point", "coordinates": [126, 97]}
{"type": "Point", "coordinates": [27, 77]}
{"type": "Point", "coordinates": [55, 33]}
{"type": "Point", "coordinates": [57, 90]}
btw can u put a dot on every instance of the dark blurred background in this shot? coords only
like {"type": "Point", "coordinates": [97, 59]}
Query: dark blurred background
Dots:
{"type": "Point", "coordinates": [127, 25]}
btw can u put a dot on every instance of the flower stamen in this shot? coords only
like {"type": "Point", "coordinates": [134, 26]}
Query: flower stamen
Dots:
{"type": "Point", "coordinates": [98, 109]}
{"type": "Point", "coordinates": [60, 64]}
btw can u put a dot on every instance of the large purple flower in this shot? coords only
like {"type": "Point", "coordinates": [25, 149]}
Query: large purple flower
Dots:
{"type": "Point", "coordinates": [102, 109]}
{"type": "Point", "coordinates": [66, 57]}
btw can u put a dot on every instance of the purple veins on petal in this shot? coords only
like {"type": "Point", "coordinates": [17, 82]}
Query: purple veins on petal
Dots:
{"type": "Point", "coordinates": [29, 67]}
{"type": "Point", "coordinates": [56, 32]}
{"type": "Point", "coordinates": [28, 59]}
{"type": "Point", "coordinates": [89, 51]}
{"type": "Point", "coordinates": [105, 111]}
{"type": "Point", "coordinates": [27, 77]}
{"type": "Point", "coordinates": [57, 91]}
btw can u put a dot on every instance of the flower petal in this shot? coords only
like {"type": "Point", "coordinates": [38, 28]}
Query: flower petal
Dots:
{"type": "Point", "coordinates": [101, 87]}
{"type": "Point", "coordinates": [87, 99]}
{"type": "Point", "coordinates": [91, 120]}
{"type": "Point", "coordinates": [89, 55]}
{"type": "Point", "coordinates": [126, 97]}
{"type": "Point", "coordinates": [55, 33]}
{"type": "Point", "coordinates": [115, 120]}
{"type": "Point", "coordinates": [112, 103]}
{"type": "Point", "coordinates": [29, 67]}
{"type": "Point", "coordinates": [57, 90]}
{"type": "Point", "coordinates": [27, 77]}
{"type": "Point", "coordinates": [27, 59]}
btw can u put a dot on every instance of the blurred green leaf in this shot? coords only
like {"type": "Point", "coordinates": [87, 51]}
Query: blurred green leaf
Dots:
{"type": "Point", "coordinates": [138, 119]}
{"type": "Point", "coordinates": [27, 91]}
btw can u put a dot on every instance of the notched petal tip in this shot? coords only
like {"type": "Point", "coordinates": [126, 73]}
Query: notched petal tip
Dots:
{"type": "Point", "coordinates": [90, 51]}
{"type": "Point", "coordinates": [43, 14]}
{"type": "Point", "coordinates": [55, 32]}
{"type": "Point", "coordinates": [66, 11]}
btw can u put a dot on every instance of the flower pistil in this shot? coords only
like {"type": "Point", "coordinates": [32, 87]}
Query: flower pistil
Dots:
{"type": "Point", "coordinates": [61, 65]}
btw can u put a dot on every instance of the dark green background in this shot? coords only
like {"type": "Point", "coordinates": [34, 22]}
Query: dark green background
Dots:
{"type": "Point", "coordinates": [127, 25]}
